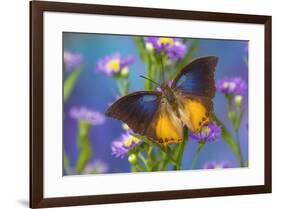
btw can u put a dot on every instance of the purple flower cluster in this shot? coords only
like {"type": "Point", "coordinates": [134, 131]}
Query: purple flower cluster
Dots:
{"type": "Point", "coordinates": [72, 60]}
{"type": "Point", "coordinates": [234, 85]}
{"type": "Point", "coordinates": [208, 133]}
{"type": "Point", "coordinates": [174, 48]}
{"type": "Point", "coordinates": [121, 146]}
{"type": "Point", "coordinates": [84, 114]}
{"type": "Point", "coordinates": [216, 165]}
{"type": "Point", "coordinates": [114, 64]}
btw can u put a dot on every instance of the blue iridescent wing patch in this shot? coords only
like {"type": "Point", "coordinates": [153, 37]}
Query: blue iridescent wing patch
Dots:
{"type": "Point", "coordinates": [197, 78]}
{"type": "Point", "coordinates": [137, 110]}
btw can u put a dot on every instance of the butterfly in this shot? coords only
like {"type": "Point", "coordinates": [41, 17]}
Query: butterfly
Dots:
{"type": "Point", "coordinates": [160, 116]}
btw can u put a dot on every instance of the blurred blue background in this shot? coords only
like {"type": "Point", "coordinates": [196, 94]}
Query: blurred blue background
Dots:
{"type": "Point", "coordinates": [96, 91]}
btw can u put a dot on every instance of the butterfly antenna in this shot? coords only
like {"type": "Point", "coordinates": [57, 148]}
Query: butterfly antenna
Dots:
{"type": "Point", "coordinates": [150, 80]}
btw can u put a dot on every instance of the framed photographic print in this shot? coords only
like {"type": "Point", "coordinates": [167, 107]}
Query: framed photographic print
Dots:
{"type": "Point", "coordinates": [138, 104]}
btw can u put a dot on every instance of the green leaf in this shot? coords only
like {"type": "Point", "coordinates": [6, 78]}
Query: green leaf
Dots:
{"type": "Point", "coordinates": [69, 83]}
{"type": "Point", "coordinates": [66, 164]}
{"type": "Point", "coordinates": [141, 48]}
{"type": "Point", "coordinates": [84, 145]}
{"type": "Point", "coordinates": [197, 153]}
{"type": "Point", "coordinates": [229, 139]}
{"type": "Point", "coordinates": [179, 150]}
{"type": "Point", "coordinates": [84, 156]}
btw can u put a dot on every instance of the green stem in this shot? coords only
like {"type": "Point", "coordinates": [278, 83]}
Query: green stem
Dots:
{"type": "Point", "coordinates": [239, 148]}
{"type": "Point", "coordinates": [235, 118]}
{"type": "Point", "coordinates": [170, 157]}
{"type": "Point", "coordinates": [180, 150]}
{"type": "Point", "coordinates": [70, 82]}
{"type": "Point", "coordinates": [150, 157]}
{"type": "Point", "coordinates": [229, 139]}
{"type": "Point", "coordinates": [142, 158]}
{"type": "Point", "coordinates": [148, 74]}
{"type": "Point", "coordinates": [137, 168]}
{"type": "Point", "coordinates": [120, 87]}
{"type": "Point", "coordinates": [84, 145]}
{"type": "Point", "coordinates": [66, 164]}
{"type": "Point", "coordinates": [195, 158]}
{"type": "Point", "coordinates": [126, 86]}
{"type": "Point", "coordinates": [163, 164]}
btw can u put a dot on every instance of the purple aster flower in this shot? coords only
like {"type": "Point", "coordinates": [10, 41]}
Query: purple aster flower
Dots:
{"type": "Point", "coordinates": [114, 64]}
{"type": "Point", "coordinates": [92, 117]}
{"type": "Point", "coordinates": [97, 166]}
{"type": "Point", "coordinates": [234, 85]}
{"type": "Point", "coordinates": [216, 165]}
{"type": "Point", "coordinates": [174, 48]}
{"type": "Point", "coordinates": [208, 133]}
{"type": "Point", "coordinates": [177, 51]}
{"type": "Point", "coordinates": [72, 60]}
{"type": "Point", "coordinates": [122, 145]}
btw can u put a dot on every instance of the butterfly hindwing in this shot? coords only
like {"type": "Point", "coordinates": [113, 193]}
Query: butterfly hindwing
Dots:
{"type": "Point", "coordinates": [194, 111]}
{"type": "Point", "coordinates": [167, 125]}
{"type": "Point", "coordinates": [197, 77]}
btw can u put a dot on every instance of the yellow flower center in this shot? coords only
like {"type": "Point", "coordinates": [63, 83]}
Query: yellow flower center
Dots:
{"type": "Point", "coordinates": [129, 141]}
{"type": "Point", "coordinates": [114, 65]}
{"type": "Point", "coordinates": [206, 130]}
{"type": "Point", "coordinates": [166, 41]}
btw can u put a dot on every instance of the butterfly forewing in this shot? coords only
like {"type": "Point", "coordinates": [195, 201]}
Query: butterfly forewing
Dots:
{"type": "Point", "coordinates": [197, 78]}
{"type": "Point", "coordinates": [136, 109]}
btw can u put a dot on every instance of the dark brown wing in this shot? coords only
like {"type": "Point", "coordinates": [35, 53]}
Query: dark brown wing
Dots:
{"type": "Point", "coordinates": [197, 78]}
{"type": "Point", "coordinates": [137, 110]}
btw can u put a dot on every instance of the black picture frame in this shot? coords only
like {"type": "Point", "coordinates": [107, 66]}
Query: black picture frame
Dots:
{"type": "Point", "coordinates": [37, 8]}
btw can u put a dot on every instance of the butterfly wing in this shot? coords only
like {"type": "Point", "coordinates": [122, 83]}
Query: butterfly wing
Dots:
{"type": "Point", "coordinates": [148, 114]}
{"type": "Point", "coordinates": [197, 77]}
{"type": "Point", "coordinates": [194, 87]}
{"type": "Point", "coordinates": [167, 125]}
{"type": "Point", "coordinates": [194, 111]}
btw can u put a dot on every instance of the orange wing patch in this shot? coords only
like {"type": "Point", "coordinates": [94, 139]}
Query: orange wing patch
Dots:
{"type": "Point", "coordinates": [168, 128]}
{"type": "Point", "coordinates": [194, 114]}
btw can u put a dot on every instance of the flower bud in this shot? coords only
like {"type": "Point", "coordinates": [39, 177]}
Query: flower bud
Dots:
{"type": "Point", "coordinates": [125, 71]}
{"type": "Point", "coordinates": [125, 127]}
{"type": "Point", "coordinates": [133, 159]}
{"type": "Point", "coordinates": [149, 47]}
{"type": "Point", "coordinates": [232, 115]}
{"type": "Point", "coordinates": [238, 100]}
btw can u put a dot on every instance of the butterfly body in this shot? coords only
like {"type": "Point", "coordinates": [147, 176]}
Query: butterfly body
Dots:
{"type": "Point", "coordinates": [169, 97]}
{"type": "Point", "coordinates": [161, 116]}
